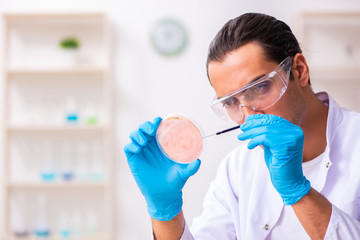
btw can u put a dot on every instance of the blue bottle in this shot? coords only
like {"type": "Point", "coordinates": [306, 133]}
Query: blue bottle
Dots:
{"type": "Point", "coordinates": [47, 170]}
{"type": "Point", "coordinates": [42, 229]}
{"type": "Point", "coordinates": [71, 115]}
{"type": "Point", "coordinates": [67, 173]}
{"type": "Point", "coordinates": [64, 226]}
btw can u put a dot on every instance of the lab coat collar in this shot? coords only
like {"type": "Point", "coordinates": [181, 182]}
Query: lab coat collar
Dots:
{"type": "Point", "coordinates": [335, 115]}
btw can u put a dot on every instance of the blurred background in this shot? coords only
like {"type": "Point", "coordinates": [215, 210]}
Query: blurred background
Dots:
{"type": "Point", "coordinates": [78, 76]}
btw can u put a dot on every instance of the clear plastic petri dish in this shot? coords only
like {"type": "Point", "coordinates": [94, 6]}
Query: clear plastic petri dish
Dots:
{"type": "Point", "coordinates": [180, 138]}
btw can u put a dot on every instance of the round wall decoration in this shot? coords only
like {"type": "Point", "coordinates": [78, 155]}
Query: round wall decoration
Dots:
{"type": "Point", "coordinates": [169, 37]}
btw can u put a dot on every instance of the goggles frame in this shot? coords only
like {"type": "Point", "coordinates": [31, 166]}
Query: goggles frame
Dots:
{"type": "Point", "coordinates": [283, 71]}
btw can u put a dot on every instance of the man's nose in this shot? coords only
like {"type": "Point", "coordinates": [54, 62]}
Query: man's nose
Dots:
{"type": "Point", "coordinates": [247, 111]}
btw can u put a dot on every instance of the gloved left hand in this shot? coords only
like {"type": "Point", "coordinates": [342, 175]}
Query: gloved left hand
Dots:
{"type": "Point", "coordinates": [283, 149]}
{"type": "Point", "coordinates": [160, 179]}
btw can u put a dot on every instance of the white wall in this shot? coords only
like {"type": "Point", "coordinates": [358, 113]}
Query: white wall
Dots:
{"type": "Point", "coordinates": [149, 85]}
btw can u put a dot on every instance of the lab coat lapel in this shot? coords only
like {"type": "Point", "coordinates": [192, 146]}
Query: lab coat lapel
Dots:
{"type": "Point", "coordinates": [265, 204]}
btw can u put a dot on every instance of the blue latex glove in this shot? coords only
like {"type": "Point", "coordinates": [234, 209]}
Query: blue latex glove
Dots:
{"type": "Point", "coordinates": [160, 179]}
{"type": "Point", "coordinates": [283, 148]}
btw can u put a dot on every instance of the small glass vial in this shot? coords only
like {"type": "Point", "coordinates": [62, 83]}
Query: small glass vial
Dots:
{"type": "Point", "coordinates": [20, 227]}
{"type": "Point", "coordinates": [71, 115]}
{"type": "Point", "coordinates": [67, 173]}
{"type": "Point", "coordinates": [47, 169]}
{"type": "Point", "coordinates": [42, 229]}
{"type": "Point", "coordinates": [64, 226]}
{"type": "Point", "coordinates": [97, 169]}
{"type": "Point", "coordinates": [90, 115]}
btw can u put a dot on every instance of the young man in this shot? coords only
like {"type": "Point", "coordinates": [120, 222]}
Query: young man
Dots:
{"type": "Point", "coordinates": [298, 176]}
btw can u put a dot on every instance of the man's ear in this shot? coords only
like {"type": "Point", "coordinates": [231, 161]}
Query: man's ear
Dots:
{"type": "Point", "coordinates": [300, 70]}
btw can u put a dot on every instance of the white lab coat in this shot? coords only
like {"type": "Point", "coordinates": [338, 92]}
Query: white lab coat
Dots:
{"type": "Point", "coordinates": [243, 204]}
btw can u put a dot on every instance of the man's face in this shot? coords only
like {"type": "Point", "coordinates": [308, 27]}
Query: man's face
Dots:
{"type": "Point", "coordinates": [244, 65]}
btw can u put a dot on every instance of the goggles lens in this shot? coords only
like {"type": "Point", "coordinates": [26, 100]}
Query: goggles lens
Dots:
{"type": "Point", "coordinates": [258, 95]}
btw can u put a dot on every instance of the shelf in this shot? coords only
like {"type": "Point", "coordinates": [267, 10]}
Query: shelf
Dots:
{"type": "Point", "coordinates": [97, 237]}
{"type": "Point", "coordinates": [331, 18]}
{"type": "Point", "coordinates": [41, 82]}
{"type": "Point", "coordinates": [335, 73]}
{"type": "Point", "coordinates": [58, 71]}
{"type": "Point", "coordinates": [56, 185]}
{"type": "Point", "coordinates": [55, 128]}
{"type": "Point", "coordinates": [65, 15]}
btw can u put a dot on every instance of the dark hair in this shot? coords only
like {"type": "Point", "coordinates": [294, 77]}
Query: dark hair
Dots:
{"type": "Point", "coordinates": [274, 36]}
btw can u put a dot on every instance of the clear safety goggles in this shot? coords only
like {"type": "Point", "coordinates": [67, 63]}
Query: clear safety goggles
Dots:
{"type": "Point", "coordinates": [258, 95]}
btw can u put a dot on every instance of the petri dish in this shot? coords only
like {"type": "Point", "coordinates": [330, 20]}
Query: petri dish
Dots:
{"type": "Point", "coordinates": [180, 138]}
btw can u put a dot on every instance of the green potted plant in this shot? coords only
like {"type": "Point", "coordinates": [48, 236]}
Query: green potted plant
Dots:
{"type": "Point", "coordinates": [71, 43]}
{"type": "Point", "coordinates": [69, 46]}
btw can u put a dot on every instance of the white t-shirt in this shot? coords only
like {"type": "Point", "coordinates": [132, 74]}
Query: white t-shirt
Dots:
{"type": "Point", "coordinates": [311, 171]}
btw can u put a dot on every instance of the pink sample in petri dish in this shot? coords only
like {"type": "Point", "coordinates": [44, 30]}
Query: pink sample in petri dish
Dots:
{"type": "Point", "coordinates": [179, 138]}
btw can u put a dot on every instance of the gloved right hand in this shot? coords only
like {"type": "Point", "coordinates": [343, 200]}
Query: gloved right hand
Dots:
{"type": "Point", "coordinates": [283, 144]}
{"type": "Point", "coordinates": [160, 179]}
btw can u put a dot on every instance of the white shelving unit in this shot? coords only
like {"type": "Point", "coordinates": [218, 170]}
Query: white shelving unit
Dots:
{"type": "Point", "coordinates": [331, 43]}
{"type": "Point", "coordinates": [42, 84]}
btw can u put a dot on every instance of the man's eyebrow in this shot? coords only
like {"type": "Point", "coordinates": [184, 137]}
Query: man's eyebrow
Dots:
{"type": "Point", "coordinates": [256, 78]}
{"type": "Point", "coordinates": [253, 80]}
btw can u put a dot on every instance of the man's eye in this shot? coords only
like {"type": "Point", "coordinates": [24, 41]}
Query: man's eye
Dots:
{"type": "Point", "coordinates": [261, 88]}
{"type": "Point", "coordinates": [230, 102]}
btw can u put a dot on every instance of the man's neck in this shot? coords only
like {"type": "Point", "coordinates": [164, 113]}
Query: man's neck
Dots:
{"type": "Point", "coordinates": [314, 128]}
